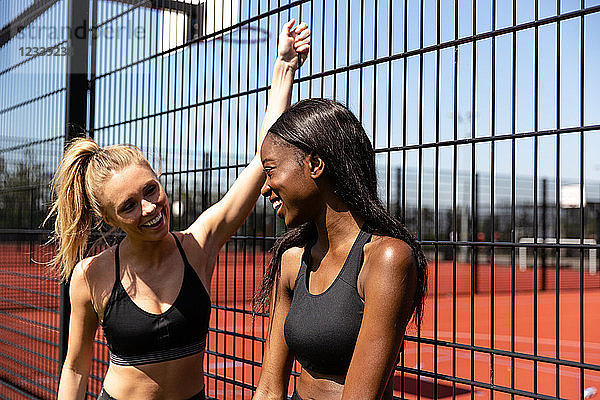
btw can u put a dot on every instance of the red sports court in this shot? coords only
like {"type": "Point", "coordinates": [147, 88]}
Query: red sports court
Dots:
{"type": "Point", "coordinates": [483, 117]}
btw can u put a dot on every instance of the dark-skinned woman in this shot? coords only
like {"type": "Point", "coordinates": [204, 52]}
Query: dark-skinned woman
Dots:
{"type": "Point", "coordinates": [347, 277]}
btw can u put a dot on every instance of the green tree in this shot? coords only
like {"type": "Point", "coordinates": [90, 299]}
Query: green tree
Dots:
{"type": "Point", "coordinates": [23, 193]}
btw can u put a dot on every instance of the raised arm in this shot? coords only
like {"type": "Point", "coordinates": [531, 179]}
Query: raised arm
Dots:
{"type": "Point", "coordinates": [388, 292]}
{"type": "Point", "coordinates": [82, 329]}
{"type": "Point", "coordinates": [216, 225]}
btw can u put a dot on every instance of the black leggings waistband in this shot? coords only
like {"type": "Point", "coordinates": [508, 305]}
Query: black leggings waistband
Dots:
{"type": "Point", "coordinates": [105, 396]}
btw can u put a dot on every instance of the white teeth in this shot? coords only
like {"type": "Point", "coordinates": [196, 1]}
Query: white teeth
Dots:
{"type": "Point", "coordinates": [276, 204]}
{"type": "Point", "coordinates": [154, 221]}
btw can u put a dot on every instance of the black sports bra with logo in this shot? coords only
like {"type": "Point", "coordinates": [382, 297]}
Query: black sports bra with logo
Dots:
{"type": "Point", "coordinates": [135, 336]}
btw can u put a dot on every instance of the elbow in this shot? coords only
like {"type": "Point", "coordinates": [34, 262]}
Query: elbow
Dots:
{"type": "Point", "coordinates": [76, 366]}
{"type": "Point", "coordinates": [261, 394]}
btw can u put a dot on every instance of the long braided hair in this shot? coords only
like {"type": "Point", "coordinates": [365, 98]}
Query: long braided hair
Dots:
{"type": "Point", "coordinates": [330, 130]}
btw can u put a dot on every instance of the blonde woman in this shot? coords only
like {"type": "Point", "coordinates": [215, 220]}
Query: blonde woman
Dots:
{"type": "Point", "coordinates": [149, 292]}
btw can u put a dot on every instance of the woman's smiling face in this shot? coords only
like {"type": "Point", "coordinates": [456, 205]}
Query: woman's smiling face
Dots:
{"type": "Point", "coordinates": [134, 200]}
{"type": "Point", "coordinates": [289, 186]}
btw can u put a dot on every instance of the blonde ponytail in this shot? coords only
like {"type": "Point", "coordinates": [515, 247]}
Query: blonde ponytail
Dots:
{"type": "Point", "coordinates": [83, 169]}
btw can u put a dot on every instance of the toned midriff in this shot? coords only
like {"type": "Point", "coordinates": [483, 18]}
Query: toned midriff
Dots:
{"type": "Point", "coordinates": [173, 380]}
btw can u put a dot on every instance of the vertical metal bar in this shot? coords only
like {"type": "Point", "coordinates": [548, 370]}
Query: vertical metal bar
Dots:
{"type": "Point", "coordinates": [436, 199]}
{"type": "Point", "coordinates": [221, 164]}
{"type": "Point", "coordinates": [183, 110]}
{"type": "Point", "coordinates": [120, 103]}
{"type": "Point", "coordinates": [322, 45]}
{"type": "Point", "coordinates": [189, 216]}
{"type": "Point", "coordinates": [347, 54]}
{"type": "Point", "coordinates": [535, 196]}
{"type": "Point", "coordinates": [245, 225]}
{"type": "Point", "coordinates": [75, 119]}
{"type": "Point", "coordinates": [493, 201]}
{"type": "Point", "coordinates": [360, 60]}
{"type": "Point", "coordinates": [145, 106]}
{"type": "Point", "coordinates": [389, 106]}
{"type": "Point", "coordinates": [335, 60]}
{"type": "Point", "coordinates": [77, 69]}
{"type": "Point", "coordinates": [197, 129]}
{"type": "Point", "coordinates": [404, 136]}
{"type": "Point", "coordinates": [454, 197]}
{"type": "Point", "coordinates": [200, 143]}
{"type": "Point", "coordinates": [216, 170]}
{"type": "Point", "coordinates": [474, 188]}
{"type": "Point", "coordinates": [255, 217]}
{"type": "Point", "coordinates": [264, 221]}
{"type": "Point", "coordinates": [581, 198]}
{"type": "Point", "coordinates": [310, 67]}
{"type": "Point", "coordinates": [171, 113]}
{"type": "Point", "coordinates": [557, 204]}
{"type": "Point", "coordinates": [389, 141]}
{"type": "Point", "coordinates": [128, 72]}
{"type": "Point", "coordinates": [92, 82]}
{"type": "Point", "coordinates": [420, 171]}
{"type": "Point", "coordinates": [299, 75]}
{"type": "Point", "coordinates": [93, 68]}
{"type": "Point", "coordinates": [544, 232]}
{"type": "Point", "coordinates": [513, 201]}
{"type": "Point", "coordinates": [374, 109]}
{"type": "Point", "coordinates": [205, 154]}
{"type": "Point", "coordinates": [235, 242]}
{"type": "Point", "coordinates": [160, 83]}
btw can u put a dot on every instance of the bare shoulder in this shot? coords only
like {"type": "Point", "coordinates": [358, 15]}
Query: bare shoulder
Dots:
{"type": "Point", "coordinates": [99, 267]}
{"type": "Point", "coordinates": [290, 265]}
{"type": "Point", "coordinates": [94, 277]}
{"type": "Point", "coordinates": [389, 261]}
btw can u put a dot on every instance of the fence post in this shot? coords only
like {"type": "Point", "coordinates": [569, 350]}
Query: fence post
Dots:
{"type": "Point", "coordinates": [75, 119]}
{"type": "Point", "coordinates": [544, 233]}
{"type": "Point", "coordinates": [91, 83]}
{"type": "Point", "coordinates": [476, 232]}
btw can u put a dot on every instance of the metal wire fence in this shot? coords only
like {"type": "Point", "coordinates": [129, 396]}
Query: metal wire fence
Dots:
{"type": "Point", "coordinates": [31, 136]}
{"type": "Point", "coordinates": [484, 119]}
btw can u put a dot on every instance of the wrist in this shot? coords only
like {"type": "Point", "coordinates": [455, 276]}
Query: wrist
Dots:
{"type": "Point", "coordinates": [283, 75]}
{"type": "Point", "coordinates": [286, 66]}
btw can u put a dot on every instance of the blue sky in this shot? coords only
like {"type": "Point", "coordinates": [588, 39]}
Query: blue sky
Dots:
{"type": "Point", "coordinates": [196, 74]}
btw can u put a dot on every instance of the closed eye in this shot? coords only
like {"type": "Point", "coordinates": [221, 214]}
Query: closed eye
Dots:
{"type": "Point", "coordinates": [128, 206]}
{"type": "Point", "coordinates": [268, 170]}
{"type": "Point", "coordinates": [150, 189]}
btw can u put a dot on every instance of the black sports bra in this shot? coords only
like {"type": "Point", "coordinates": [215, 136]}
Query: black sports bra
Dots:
{"type": "Point", "coordinates": [321, 330]}
{"type": "Point", "coordinates": [135, 336]}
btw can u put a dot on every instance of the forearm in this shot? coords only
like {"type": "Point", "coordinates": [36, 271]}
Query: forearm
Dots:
{"type": "Point", "coordinates": [229, 214]}
{"type": "Point", "coordinates": [73, 383]}
{"type": "Point", "coordinates": [279, 96]}
{"type": "Point", "coordinates": [271, 386]}
{"type": "Point", "coordinates": [242, 195]}
{"type": "Point", "coordinates": [277, 360]}
{"type": "Point", "coordinates": [216, 225]}
{"type": "Point", "coordinates": [261, 394]}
